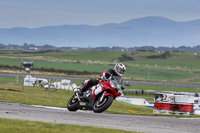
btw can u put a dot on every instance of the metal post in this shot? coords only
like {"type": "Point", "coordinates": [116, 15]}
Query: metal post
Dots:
{"type": "Point", "coordinates": [49, 87]}
{"type": "Point", "coordinates": [29, 79]}
{"type": "Point", "coordinates": [69, 85]}
{"type": "Point", "coordinates": [56, 84]}
{"type": "Point", "coordinates": [17, 79]}
{"type": "Point", "coordinates": [23, 86]}
{"type": "Point", "coordinates": [65, 85]}
{"type": "Point", "coordinates": [61, 84]}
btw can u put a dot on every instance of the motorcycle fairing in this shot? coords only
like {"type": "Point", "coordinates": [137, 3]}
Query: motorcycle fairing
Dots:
{"type": "Point", "coordinates": [89, 99]}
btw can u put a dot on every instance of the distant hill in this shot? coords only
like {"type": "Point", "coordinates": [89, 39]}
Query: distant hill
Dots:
{"type": "Point", "coordinates": [153, 31]}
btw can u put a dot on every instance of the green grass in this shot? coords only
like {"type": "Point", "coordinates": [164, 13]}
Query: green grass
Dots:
{"type": "Point", "coordinates": [163, 88]}
{"type": "Point", "coordinates": [82, 56]}
{"type": "Point", "coordinates": [187, 60]}
{"type": "Point", "coordinates": [170, 64]}
{"type": "Point", "coordinates": [14, 93]}
{"type": "Point", "coordinates": [100, 56]}
{"type": "Point", "coordinates": [178, 67]}
{"type": "Point", "coordinates": [60, 65]}
{"type": "Point", "coordinates": [22, 126]}
{"type": "Point", "coordinates": [11, 80]}
{"type": "Point", "coordinates": [126, 108]}
{"type": "Point", "coordinates": [156, 74]}
{"type": "Point", "coordinates": [11, 52]}
{"type": "Point", "coordinates": [134, 73]}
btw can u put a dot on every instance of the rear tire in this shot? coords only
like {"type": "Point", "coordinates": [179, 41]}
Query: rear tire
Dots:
{"type": "Point", "coordinates": [73, 104]}
{"type": "Point", "coordinates": [102, 106]}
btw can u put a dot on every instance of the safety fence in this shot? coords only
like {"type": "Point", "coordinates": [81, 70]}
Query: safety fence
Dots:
{"type": "Point", "coordinates": [165, 103]}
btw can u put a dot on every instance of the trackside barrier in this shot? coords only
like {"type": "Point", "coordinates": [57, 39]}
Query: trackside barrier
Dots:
{"type": "Point", "coordinates": [196, 105]}
{"type": "Point", "coordinates": [166, 108]}
{"type": "Point", "coordinates": [184, 99]}
{"type": "Point", "coordinates": [173, 104]}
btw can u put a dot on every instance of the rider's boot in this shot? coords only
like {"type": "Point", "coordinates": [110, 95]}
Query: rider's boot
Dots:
{"type": "Point", "coordinates": [85, 88]}
{"type": "Point", "coordinates": [81, 92]}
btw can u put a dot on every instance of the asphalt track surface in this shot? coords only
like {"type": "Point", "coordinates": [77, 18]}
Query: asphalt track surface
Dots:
{"type": "Point", "coordinates": [150, 124]}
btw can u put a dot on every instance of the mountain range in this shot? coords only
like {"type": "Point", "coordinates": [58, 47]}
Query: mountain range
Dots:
{"type": "Point", "coordinates": [147, 31]}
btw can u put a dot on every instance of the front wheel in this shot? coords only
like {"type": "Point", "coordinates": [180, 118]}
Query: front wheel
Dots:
{"type": "Point", "coordinates": [103, 105]}
{"type": "Point", "coordinates": [72, 104]}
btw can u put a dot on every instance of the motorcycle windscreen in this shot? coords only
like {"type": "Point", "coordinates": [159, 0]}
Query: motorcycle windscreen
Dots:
{"type": "Point", "coordinates": [119, 79]}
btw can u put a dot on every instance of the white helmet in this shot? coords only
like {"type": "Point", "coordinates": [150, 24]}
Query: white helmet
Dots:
{"type": "Point", "coordinates": [120, 69]}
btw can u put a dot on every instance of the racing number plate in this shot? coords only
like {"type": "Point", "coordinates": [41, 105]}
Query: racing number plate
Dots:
{"type": "Point", "coordinates": [82, 103]}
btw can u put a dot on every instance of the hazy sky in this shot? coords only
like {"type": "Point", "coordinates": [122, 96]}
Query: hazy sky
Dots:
{"type": "Point", "coordinates": [38, 13]}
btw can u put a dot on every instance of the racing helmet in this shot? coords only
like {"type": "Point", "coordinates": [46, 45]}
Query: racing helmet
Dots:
{"type": "Point", "coordinates": [120, 69]}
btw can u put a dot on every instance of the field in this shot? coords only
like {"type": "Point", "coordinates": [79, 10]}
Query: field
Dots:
{"type": "Point", "coordinates": [145, 66]}
{"type": "Point", "coordinates": [152, 66]}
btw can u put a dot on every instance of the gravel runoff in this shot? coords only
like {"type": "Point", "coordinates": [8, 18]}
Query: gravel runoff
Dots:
{"type": "Point", "coordinates": [137, 123]}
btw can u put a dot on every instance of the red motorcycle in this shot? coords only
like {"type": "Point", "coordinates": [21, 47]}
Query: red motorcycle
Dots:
{"type": "Point", "coordinates": [98, 98]}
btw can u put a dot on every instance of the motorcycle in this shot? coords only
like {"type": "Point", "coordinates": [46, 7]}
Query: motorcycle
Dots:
{"type": "Point", "coordinates": [98, 98]}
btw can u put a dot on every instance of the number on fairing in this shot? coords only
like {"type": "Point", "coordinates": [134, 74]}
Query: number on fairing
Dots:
{"type": "Point", "coordinates": [98, 90]}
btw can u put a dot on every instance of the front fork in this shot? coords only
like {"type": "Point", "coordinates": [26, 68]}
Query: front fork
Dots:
{"type": "Point", "coordinates": [76, 91]}
{"type": "Point", "coordinates": [77, 94]}
{"type": "Point", "coordinates": [101, 98]}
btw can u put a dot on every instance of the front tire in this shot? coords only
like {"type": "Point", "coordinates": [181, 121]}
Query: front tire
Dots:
{"type": "Point", "coordinates": [72, 104]}
{"type": "Point", "coordinates": [102, 106]}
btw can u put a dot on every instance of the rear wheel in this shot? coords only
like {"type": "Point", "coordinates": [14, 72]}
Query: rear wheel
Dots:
{"type": "Point", "coordinates": [103, 105]}
{"type": "Point", "coordinates": [72, 104]}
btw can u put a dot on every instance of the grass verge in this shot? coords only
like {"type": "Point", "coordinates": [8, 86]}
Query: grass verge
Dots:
{"type": "Point", "coordinates": [22, 126]}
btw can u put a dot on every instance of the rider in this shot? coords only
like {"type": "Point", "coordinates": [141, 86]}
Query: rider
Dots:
{"type": "Point", "coordinates": [119, 70]}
